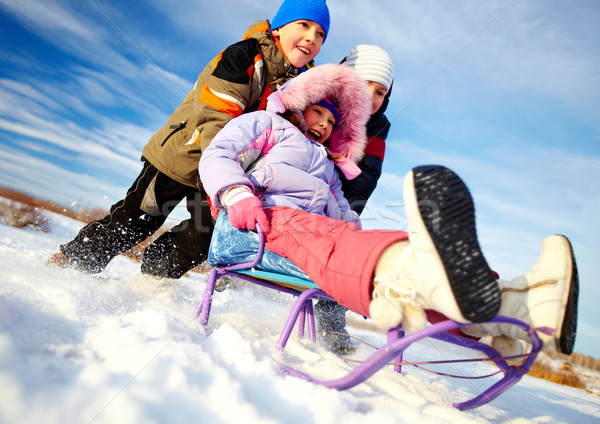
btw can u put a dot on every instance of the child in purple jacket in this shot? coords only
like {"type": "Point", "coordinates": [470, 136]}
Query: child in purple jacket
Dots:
{"type": "Point", "coordinates": [263, 168]}
{"type": "Point", "coordinates": [273, 158]}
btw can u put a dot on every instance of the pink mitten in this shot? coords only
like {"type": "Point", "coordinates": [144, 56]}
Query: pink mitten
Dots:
{"type": "Point", "coordinates": [245, 213]}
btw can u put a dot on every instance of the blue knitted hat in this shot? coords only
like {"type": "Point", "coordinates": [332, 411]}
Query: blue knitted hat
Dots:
{"type": "Point", "coordinates": [294, 10]}
{"type": "Point", "coordinates": [333, 107]}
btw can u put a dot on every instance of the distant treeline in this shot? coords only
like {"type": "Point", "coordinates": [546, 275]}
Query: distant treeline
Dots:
{"type": "Point", "coordinates": [577, 359]}
{"type": "Point", "coordinates": [28, 215]}
{"type": "Point", "coordinates": [81, 214]}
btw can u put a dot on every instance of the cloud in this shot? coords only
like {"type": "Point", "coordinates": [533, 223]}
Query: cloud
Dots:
{"type": "Point", "coordinates": [542, 186]}
{"type": "Point", "coordinates": [66, 28]}
{"type": "Point", "coordinates": [47, 16]}
{"type": "Point", "coordinates": [13, 91]}
{"type": "Point", "coordinates": [110, 146]}
{"type": "Point", "coordinates": [58, 182]}
{"type": "Point", "coordinates": [516, 48]}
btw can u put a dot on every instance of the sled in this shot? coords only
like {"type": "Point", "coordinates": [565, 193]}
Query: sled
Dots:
{"type": "Point", "coordinates": [397, 340]}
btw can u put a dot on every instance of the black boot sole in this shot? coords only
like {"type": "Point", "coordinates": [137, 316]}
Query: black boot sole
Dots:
{"type": "Point", "coordinates": [447, 210]}
{"type": "Point", "coordinates": [566, 338]}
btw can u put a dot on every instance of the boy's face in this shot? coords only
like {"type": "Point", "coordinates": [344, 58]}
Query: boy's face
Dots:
{"type": "Point", "coordinates": [319, 123]}
{"type": "Point", "coordinates": [378, 92]}
{"type": "Point", "coordinates": [301, 41]}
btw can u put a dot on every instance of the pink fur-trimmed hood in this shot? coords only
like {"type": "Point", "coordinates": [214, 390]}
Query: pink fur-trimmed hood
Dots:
{"type": "Point", "coordinates": [351, 93]}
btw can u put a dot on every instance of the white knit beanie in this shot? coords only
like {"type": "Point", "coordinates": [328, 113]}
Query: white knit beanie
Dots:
{"type": "Point", "coordinates": [372, 63]}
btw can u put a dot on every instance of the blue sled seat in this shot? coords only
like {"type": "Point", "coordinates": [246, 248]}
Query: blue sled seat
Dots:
{"type": "Point", "coordinates": [231, 246]}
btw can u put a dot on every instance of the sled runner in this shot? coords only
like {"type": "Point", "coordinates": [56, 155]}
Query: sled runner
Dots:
{"type": "Point", "coordinates": [397, 341]}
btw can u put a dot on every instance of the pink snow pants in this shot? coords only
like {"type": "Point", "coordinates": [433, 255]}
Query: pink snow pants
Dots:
{"type": "Point", "coordinates": [337, 256]}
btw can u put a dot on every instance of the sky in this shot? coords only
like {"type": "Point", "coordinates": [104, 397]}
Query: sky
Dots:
{"type": "Point", "coordinates": [506, 93]}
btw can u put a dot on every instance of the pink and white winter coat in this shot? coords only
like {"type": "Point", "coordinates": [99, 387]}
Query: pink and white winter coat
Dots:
{"type": "Point", "coordinates": [267, 153]}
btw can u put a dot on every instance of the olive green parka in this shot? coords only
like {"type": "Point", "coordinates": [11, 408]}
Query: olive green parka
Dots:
{"type": "Point", "coordinates": [237, 81]}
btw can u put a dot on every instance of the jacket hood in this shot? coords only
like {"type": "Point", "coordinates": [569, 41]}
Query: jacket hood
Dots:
{"type": "Point", "coordinates": [257, 30]}
{"type": "Point", "coordinates": [350, 91]}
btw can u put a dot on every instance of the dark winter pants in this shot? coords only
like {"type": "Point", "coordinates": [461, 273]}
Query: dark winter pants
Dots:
{"type": "Point", "coordinates": [148, 202]}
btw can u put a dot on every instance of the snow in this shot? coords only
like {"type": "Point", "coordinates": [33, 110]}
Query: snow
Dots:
{"type": "Point", "coordinates": [118, 348]}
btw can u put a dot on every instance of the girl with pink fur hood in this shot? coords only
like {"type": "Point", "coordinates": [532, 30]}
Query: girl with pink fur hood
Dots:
{"type": "Point", "coordinates": [391, 276]}
{"type": "Point", "coordinates": [270, 158]}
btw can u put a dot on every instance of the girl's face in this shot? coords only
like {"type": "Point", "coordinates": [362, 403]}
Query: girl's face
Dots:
{"type": "Point", "coordinates": [319, 123]}
{"type": "Point", "coordinates": [301, 41]}
{"type": "Point", "coordinates": [378, 92]}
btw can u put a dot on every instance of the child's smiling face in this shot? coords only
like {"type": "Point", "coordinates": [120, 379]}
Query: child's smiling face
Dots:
{"type": "Point", "coordinates": [301, 41]}
{"type": "Point", "coordinates": [319, 123]}
{"type": "Point", "coordinates": [378, 92]}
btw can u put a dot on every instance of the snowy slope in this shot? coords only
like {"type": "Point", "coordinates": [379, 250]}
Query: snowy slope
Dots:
{"type": "Point", "coordinates": [115, 349]}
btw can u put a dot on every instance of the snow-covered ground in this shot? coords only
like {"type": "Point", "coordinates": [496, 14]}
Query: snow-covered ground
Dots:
{"type": "Point", "coordinates": [114, 349]}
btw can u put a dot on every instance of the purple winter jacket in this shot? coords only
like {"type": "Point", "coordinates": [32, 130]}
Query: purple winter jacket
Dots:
{"type": "Point", "coordinates": [270, 155]}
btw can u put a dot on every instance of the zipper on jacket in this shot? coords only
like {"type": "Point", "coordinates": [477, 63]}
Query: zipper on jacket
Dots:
{"type": "Point", "coordinates": [175, 128]}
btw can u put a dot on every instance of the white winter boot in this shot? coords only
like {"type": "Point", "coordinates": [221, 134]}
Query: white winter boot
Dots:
{"type": "Point", "coordinates": [441, 267]}
{"type": "Point", "coordinates": [544, 297]}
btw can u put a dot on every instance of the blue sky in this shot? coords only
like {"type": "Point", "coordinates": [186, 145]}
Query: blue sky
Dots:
{"type": "Point", "coordinates": [506, 93]}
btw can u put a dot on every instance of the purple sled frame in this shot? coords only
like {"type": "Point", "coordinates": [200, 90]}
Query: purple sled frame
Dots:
{"type": "Point", "coordinates": [397, 341]}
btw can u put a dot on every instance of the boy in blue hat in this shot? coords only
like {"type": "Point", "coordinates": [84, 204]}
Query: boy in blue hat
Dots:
{"type": "Point", "coordinates": [290, 24]}
{"type": "Point", "coordinates": [237, 81]}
